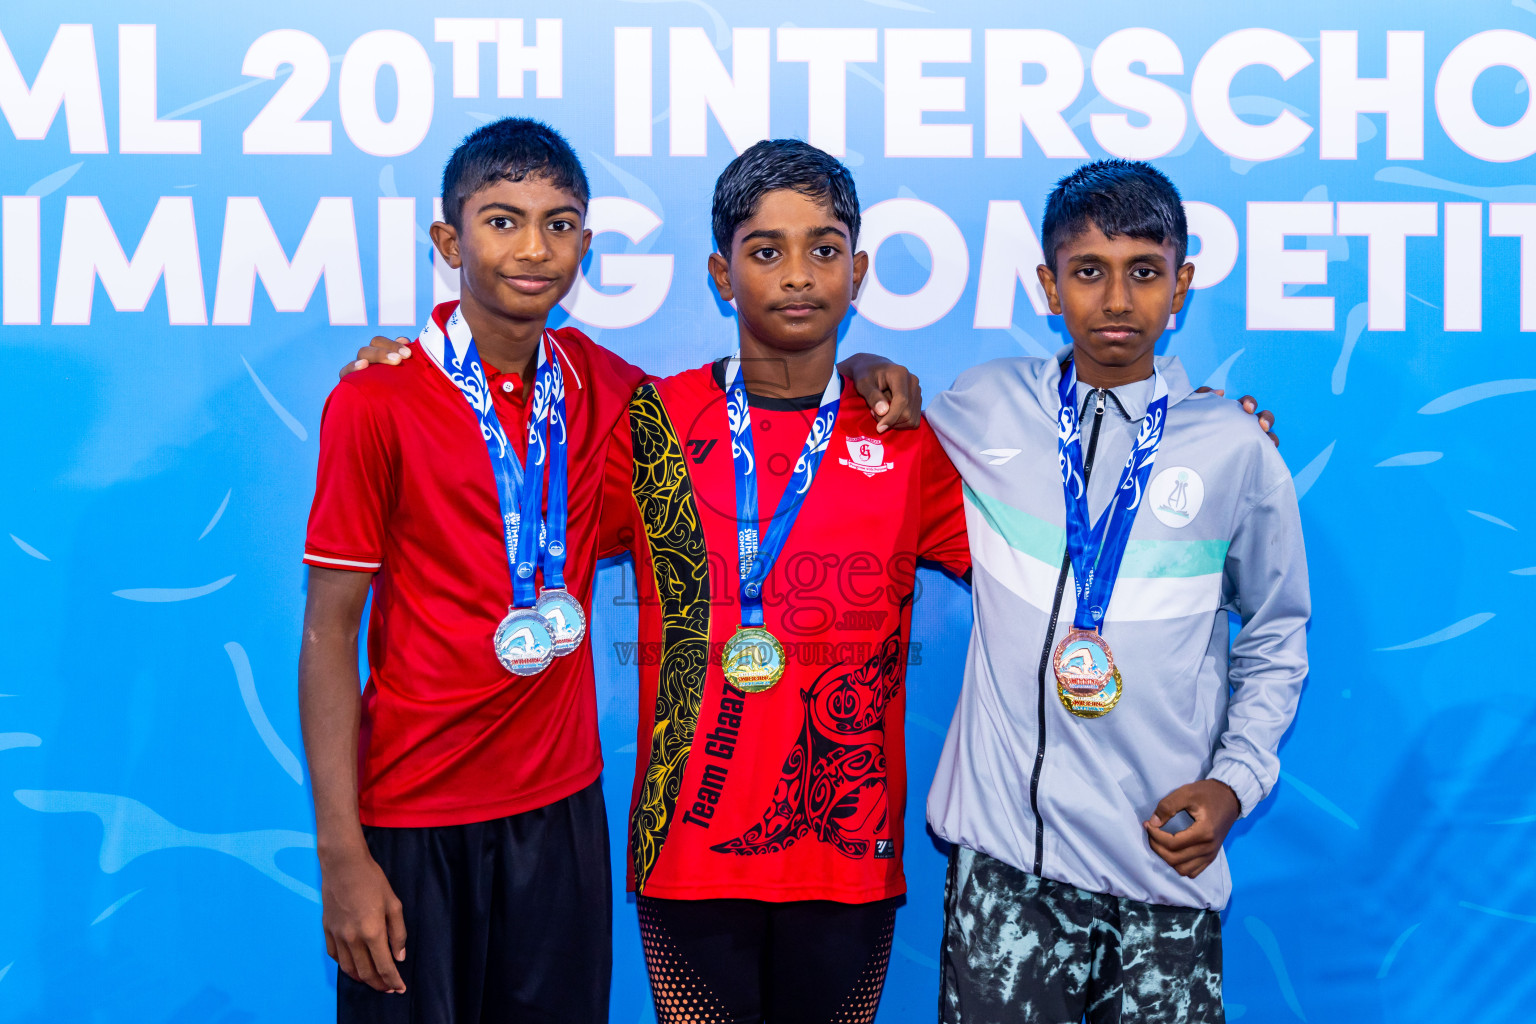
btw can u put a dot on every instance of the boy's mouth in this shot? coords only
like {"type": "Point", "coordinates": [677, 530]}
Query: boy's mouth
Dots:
{"type": "Point", "coordinates": [798, 309]}
{"type": "Point", "coordinates": [1116, 332]}
{"type": "Point", "coordinates": [529, 284]}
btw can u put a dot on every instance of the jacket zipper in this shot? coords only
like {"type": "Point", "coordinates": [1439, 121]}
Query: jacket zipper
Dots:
{"type": "Point", "coordinates": [1045, 652]}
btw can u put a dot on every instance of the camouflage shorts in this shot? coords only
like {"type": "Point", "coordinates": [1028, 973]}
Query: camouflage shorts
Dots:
{"type": "Point", "coordinates": [1020, 949]}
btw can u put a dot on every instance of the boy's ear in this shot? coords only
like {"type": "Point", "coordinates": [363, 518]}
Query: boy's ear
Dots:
{"type": "Point", "coordinates": [1181, 285]}
{"type": "Point", "coordinates": [446, 238]}
{"type": "Point", "coordinates": [720, 273]}
{"type": "Point", "coordinates": [860, 268]}
{"type": "Point", "coordinates": [1047, 278]}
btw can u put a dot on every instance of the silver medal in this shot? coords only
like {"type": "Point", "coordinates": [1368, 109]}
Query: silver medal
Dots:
{"type": "Point", "coordinates": [523, 642]}
{"type": "Point", "coordinates": [567, 622]}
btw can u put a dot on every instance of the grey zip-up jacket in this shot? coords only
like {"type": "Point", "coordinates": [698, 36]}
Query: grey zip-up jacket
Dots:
{"type": "Point", "coordinates": [1217, 535]}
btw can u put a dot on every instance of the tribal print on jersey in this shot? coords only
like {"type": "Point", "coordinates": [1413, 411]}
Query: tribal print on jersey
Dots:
{"type": "Point", "coordinates": [833, 782]}
{"type": "Point", "coordinates": [665, 499]}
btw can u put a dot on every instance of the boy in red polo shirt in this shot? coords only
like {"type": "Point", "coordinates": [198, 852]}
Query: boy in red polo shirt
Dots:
{"type": "Point", "coordinates": [459, 800]}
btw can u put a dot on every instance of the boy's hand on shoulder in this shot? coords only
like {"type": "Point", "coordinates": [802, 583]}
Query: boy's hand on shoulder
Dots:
{"type": "Point", "coordinates": [363, 921]}
{"type": "Point", "coordinates": [1248, 402]}
{"type": "Point", "coordinates": [1213, 806]}
{"type": "Point", "coordinates": [894, 393]}
{"type": "Point", "coordinates": [379, 350]}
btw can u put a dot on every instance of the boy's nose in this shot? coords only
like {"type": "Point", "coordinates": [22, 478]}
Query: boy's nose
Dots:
{"type": "Point", "coordinates": [530, 245]}
{"type": "Point", "coordinates": [796, 274]}
{"type": "Point", "coordinates": [1117, 296]}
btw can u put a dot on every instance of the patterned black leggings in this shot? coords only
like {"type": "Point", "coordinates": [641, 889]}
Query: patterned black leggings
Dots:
{"type": "Point", "coordinates": [1021, 949]}
{"type": "Point", "coordinates": [748, 961]}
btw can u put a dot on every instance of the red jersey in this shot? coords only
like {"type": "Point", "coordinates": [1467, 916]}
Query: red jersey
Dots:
{"type": "Point", "coordinates": [405, 490]}
{"type": "Point", "coordinates": [797, 792]}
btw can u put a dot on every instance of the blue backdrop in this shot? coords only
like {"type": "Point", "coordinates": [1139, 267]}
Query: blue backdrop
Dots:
{"type": "Point", "coordinates": [156, 836]}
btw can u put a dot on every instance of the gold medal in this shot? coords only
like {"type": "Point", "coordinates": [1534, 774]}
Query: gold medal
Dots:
{"type": "Point", "coordinates": [1087, 680]}
{"type": "Point", "coordinates": [753, 660]}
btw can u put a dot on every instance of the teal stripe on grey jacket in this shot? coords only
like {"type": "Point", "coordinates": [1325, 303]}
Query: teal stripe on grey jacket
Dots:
{"type": "Point", "coordinates": [1217, 538]}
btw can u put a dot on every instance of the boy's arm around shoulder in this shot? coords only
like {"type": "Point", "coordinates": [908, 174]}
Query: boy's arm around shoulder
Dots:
{"type": "Point", "coordinates": [893, 392]}
{"type": "Point", "coordinates": [1267, 568]}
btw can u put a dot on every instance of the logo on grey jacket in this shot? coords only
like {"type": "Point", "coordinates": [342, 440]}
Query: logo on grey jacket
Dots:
{"type": "Point", "coordinates": [1177, 494]}
{"type": "Point", "coordinates": [999, 456]}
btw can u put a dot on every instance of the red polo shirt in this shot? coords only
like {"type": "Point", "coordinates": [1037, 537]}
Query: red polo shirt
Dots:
{"type": "Point", "coordinates": [405, 490]}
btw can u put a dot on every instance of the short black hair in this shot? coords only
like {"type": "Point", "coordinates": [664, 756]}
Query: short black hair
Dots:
{"type": "Point", "coordinates": [1119, 197]}
{"type": "Point", "coordinates": [511, 149]}
{"type": "Point", "coordinates": [775, 164]}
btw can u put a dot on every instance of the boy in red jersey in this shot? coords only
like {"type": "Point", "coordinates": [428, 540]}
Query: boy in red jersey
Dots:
{"type": "Point", "coordinates": [457, 800]}
{"type": "Point", "coordinates": [435, 792]}
{"type": "Point", "coordinates": [765, 836]}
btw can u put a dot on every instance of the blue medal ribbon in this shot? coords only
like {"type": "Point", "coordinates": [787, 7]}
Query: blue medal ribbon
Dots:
{"type": "Point", "coordinates": [541, 544]}
{"type": "Point", "coordinates": [756, 554]}
{"type": "Point", "coordinates": [531, 542]}
{"type": "Point", "coordinates": [1096, 551]}
{"type": "Point", "coordinates": [554, 550]}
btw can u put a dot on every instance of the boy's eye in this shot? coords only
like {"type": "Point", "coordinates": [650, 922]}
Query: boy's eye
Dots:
{"type": "Point", "coordinates": [560, 225]}
{"type": "Point", "coordinates": [825, 252]}
{"type": "Point", "coordinates": [1087, 273]}
{"type": "Point", "coordinates": [1143, 273]}
{"type": "Point", "coordinates": [500, 223]}
{"type": "Point", "coordinates": [765, 253]}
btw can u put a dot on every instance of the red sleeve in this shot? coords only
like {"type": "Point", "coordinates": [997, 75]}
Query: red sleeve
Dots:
{"type": "Point", "coordinates": [616, 382]}
{"type": "Point", "coordinates": [620, 518]}
{"type": "Point", "coordinates": [941, 533]}
{"type": "Point", "coordinates": [354, 487]}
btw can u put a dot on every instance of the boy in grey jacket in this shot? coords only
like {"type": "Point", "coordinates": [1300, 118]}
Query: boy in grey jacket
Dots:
{"type": "Point", "coordinates": [1110, 731]}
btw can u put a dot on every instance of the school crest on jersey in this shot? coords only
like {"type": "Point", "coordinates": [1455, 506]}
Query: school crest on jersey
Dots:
{"type": "Point", "coordinates": [867, 455]}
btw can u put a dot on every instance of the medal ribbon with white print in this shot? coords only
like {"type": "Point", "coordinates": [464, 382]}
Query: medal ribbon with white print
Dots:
{"type": "Point", "coordinates": [756, 556]}
{"type": "Point", "coordinates": [1096, 552]}
{"type": "Point", "coordinates": [530, 542]}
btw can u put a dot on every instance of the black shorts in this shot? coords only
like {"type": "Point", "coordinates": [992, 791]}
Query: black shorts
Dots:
{"type": "Point", "coordinates": [508, 920]}
{"type": "Point", "coordinates": [746, 961]}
